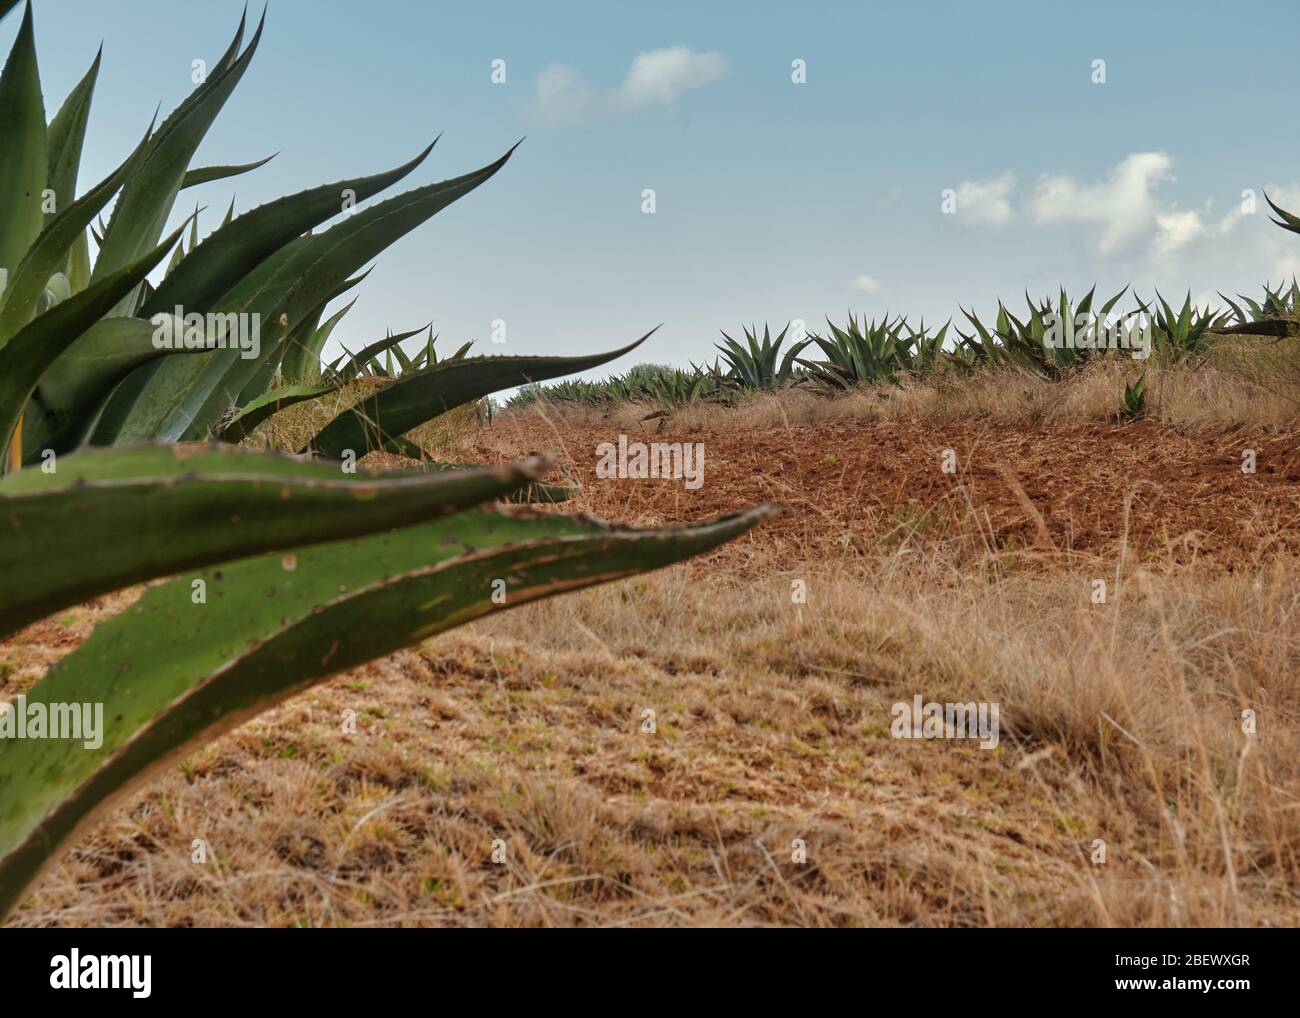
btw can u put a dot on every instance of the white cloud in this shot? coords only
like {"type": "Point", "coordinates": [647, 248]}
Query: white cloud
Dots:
{"type": "Point", "coordinates": [563, 94]}
{"type": "Point", "coordinates": [655, 78]}
{"type": "Point", "coordinates": [985, 202]}
{"type": "Point", "coordinates": [867, 284]}
{"type": "Point", "coordinates": [1176, 230]}
{"type": "Point", "coordinates": [661, 76]}
{"type": "Point", "coordinates": [1123, 205]}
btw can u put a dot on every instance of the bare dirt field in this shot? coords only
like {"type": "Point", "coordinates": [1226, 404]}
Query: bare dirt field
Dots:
{"type": "Point", "coordinates": [1077, 488]}
{"type": "Point", "coordinates": [1148, 771]}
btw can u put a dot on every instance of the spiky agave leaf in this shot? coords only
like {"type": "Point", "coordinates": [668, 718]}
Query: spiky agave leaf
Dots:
{"type": "Point", "coordinates": [23, 155]}
{"type": "Point", "coordinates": [77, 532]}
{"type": "Point", "coordinates": [35, 347]}
{"type": "Point", "coordinates": [180, 400]}
{"type": "Point", "coordinates": [409, 401]}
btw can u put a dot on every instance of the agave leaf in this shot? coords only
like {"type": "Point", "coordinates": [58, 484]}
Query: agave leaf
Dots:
{"type": "Point", "coordinates": [268, 630]}
{"type": "Point", "coordinates": [267, 405]}
{"type": "Point", "coordinates": [1287, 221]}
{"type": "Point", "coordinates": [302, 360]}
{"type": "Point", "coordinates": [236, 249]}
{"type": "Point", "coordinates": [183, 401]}
{"type": "Point", "coordinates": [23, 152]}
{"type": "Point", "coordinates": [76, 533]}
{"type": "Point", "coordinates": [141, 210]}
{"type": "Point", "coordinates": [33, 349]}
{"type": "Point", "coordinates": [304, 274]}
{"type": "Point", "coordinates": [1262, 327]}
{"type": "Point", "coordinates": [66, 135]}
{"type": "Point", "coordinates": [326, 258]}
{"type": "Point", "coordinates": [207, 174]}
{"type": "Point", "coordinates": [77, 382]}
{"type": "Point", "coordinates": [299, 339]}
{"type": "Point", "coordinates": [367, 353]}
{"type": "Point", "coordinates": [49, 252]}
{"type": "Point", "coordinates": [413, 399]}
{"type": "Point", "coordinates": [536, 493]}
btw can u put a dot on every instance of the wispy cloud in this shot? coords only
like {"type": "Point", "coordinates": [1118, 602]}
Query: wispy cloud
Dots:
{"type": "Point", "coordinates": [655, 78]}
{"type": "Point", "coordinates": [563, 94]}
{"type": "Point", "coordinates": [867, 284]}
{"type": "Point", "coordinates": [986, 202]}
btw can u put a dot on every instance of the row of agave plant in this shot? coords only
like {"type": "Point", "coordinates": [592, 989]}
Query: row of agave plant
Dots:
{"type": "Point", "coordinates": [656, 383]}
{"type": "Point", "coordinates": [889, 350]}
{"type": "Point", "coordinates": [122, 467]}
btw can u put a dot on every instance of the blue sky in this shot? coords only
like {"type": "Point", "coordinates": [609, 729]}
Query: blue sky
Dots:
{"type": "Point", "coordinates": [774, 200]}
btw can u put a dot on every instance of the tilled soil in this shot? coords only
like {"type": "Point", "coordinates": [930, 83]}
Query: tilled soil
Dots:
{"type": "Point", "coordinates": [1085, 487]}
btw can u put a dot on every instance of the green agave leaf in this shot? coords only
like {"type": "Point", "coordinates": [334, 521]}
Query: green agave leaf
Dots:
{"type": "Point", "coordinates": [366, 353]}
{"type": "Point", "coordinates": [23, 152]}
{"type": "Point", "coordinates": [234, 250]}
{"type": "Point", "coordinates": [146, 201]}
{"type": "Point", "coordinates": [298, 338]}
{"type": "Point", "coordinates": [300, 278]}
{"type": "Point", "coordinates": [328, 257]}
{"type": "Point", "coordinates": [302, 360]}
{"type": "Point", "coordinates": [170, 673]}
{"type": "Point", "coordinates": [207, 174]}
{"type": "Point", "coordinates": [266, 406]}
{"type": "Point", "coordinates": [50, 251]}
{"type": "Point", "coordinates": [413, 399]}
{"type": "Point", "coordinates": [1286, 220]}
{"type": "Point", "coordinates": [537, 493]}
{"type": "Point", "coordinates": [77, 382]}
{"type": "Point", "coordinates": [77, 532]}
{"type": "Point", "coordinates": [1279, 327]}
{"type": "Point", "coordinates": [182, 400]}
{"type": "Point", "coordinates": [6, 6]}
{"type": "Point", "coordinates": [66, 136]}
{"type": "Point", "coordinates": [33, 349]}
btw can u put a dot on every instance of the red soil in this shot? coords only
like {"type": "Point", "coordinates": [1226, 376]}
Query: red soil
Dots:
{"type": "Point", "coordinates": [849, 482]}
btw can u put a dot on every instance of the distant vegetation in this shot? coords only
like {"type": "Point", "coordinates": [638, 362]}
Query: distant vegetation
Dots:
{"type": "Point", "coordinates": [1050, 341]}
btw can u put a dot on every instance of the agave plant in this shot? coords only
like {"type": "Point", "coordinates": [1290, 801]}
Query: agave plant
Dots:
{"type": "Point", "coordinates": [654, 383]}
{"type": "Point", "coordinates": [923, 352]}
{"type": "Point", "coordinates": [1050, 341]}
{"type": "Point", "coordinates": [669, 386]}
{"type": "Point", "coordinates": [1187, 333]}
{"type": "Point", "coordinates": [85, 333]}
{"type": "Point", "coordinates": [873, 352]}
{"type": "Point", "coordinates": [1277, 314]}
{"type": "Point", "coordinates": [758, 364]}
{"type": "Point", "coordinates": [396, 361]}
{"type": "Point", "coordinates": [283, 570]}
{"type": "Point", "coordinates": [1133, 400]}
{"type": "Point", "coordinates": [346, 370]}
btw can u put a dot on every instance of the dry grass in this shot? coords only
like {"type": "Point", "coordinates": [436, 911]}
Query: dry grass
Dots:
{"type": "Point", "coordinates": [1120, 721]}
{"type": "Point", "coordinates": [1243, 381]}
